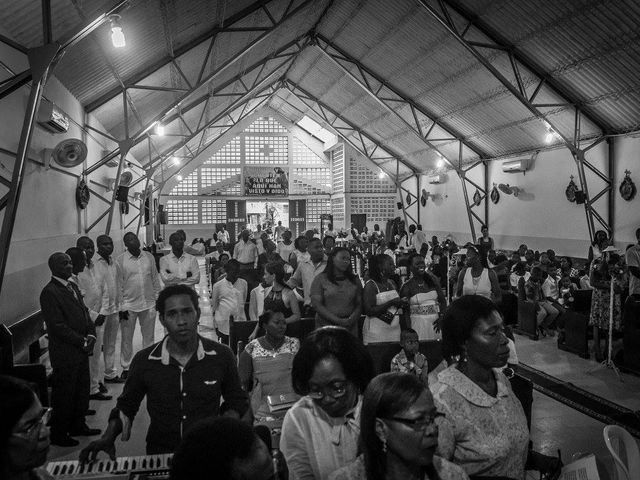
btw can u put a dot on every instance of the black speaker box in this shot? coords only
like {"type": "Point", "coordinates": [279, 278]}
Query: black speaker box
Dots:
{"type": "Point", "coordinates": [399, 205]}
{"type": "Point", "coordinates": [122, 193]}
{"type": "Point", "coordinates": [580, 196]}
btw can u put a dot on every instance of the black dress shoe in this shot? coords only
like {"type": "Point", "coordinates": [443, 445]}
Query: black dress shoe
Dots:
{"type": "Point", "coordinates": [90, 412]}
{"type": "Point", "coordinates": [99, 396]}
{"type": "Point", "coordinates": [84, 431]}
{"type": "Point", "coordinates": [102, 388]}
{"type": "Point", "coordinates": [115, 379]}
{"type": "Point", "coordinates": [64, 441]}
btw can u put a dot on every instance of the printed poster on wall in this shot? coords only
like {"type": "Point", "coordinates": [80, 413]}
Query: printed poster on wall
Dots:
{"type": "Point", "coordinates": [236, 218]}
{"type": "Point", "coordinates": [297, 217]}
{"type": "Point", "coordinates": [266, 181]}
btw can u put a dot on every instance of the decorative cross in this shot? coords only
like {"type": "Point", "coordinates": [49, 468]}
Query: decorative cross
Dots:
{"type": "Point", "coordinates": [266, 150]}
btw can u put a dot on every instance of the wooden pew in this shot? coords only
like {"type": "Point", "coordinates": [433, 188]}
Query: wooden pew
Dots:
{"type": "Point", "coordinates": [576, 325]}
{"type": "Point", "coordinates": [20, 352]}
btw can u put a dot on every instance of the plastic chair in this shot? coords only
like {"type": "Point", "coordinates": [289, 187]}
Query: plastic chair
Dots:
{"type": "Point", "coordinates": [624, 450]}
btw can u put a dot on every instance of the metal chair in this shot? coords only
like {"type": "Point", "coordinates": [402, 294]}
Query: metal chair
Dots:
{"type": "Point", "coordinates": [624, 450]}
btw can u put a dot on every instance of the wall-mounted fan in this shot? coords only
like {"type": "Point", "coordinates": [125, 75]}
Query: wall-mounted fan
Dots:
{"type": "Point", "coordinates": [126, 177]}
{"type": "Point", "coordinates": [68, 153]}
{"type": "Point", "coordinates": [509, 190]}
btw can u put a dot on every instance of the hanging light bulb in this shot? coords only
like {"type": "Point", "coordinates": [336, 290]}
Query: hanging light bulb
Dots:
{"type": "Point", "coordinates": [381, 175]}
{"type": "Point", "coordinates": [160, 129]}
{"type": "Point", "coordinates": [176, 161]}
{"type": "Point", "coordinates": [117, 35]}
{"type": "Point", "coordinates": [550, 136]}
{"type": "Point", "coordinates": [179, 178]}
{"type": "Point", "coordinates": [440, 163]}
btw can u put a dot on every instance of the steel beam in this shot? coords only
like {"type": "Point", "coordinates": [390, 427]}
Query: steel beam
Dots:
{"type": "Point", "coordinates": [12, 84]}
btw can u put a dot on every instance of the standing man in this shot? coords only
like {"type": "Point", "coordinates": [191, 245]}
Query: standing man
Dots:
{"type": "Point", "coordinates": [140, 287]}
{"type": "Point", "coordinates": [107, 280]}
{"type": "Point", "coordinates": [419, 239]}
{"type": "Point", "coordinates": [632, 304]}
{"type": "Point", "coordinates": [179, 267]}
{"type": "Point", "coordinates": [306, 271]}
{"type": "Point", "coordinates": [71, 338]}
{"type": "Point", "coordinates": [223, 236]}
{"type": "Point", "coordinates": [278, 231]}
{"type": "Point", "coordinates": [183, 377]}
{"type": "Point", "coordinates": [246, 253]}
{"type": "Point", "coordinates": [92, 297]}
{"type": "Point", "coordinates": [228, 296]}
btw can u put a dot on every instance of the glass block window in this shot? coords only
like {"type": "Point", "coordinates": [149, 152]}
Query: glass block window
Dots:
{"type": "Point", "coordinates": [337, 210]}
{"type": "Point", "coordinates": [221, 178]}
{"type": "Point", "coordinates": [214, 211]}
{"type": "Point", "coordinates": [303, 155]}
{"type": "Point", "coordinates": [378, 209]}
{"type": "Point", "coordinates": [311, 181]}
{"type": "Point", "coordinates": [182, 212]}
{"type": "Point", "coordinates": [365, 179]}
{"type": "Point", "coordinates": [315, 208]}
{"type": "Point", "coordinates": [262, 150]}
{"type": "Point", "coordinates": [337, 167]}
{"type": "Point", "coordinates": [230, 153]}
{"type": "Point", "coordinates": [188, 186]}
{"type": "Point", "coordinates": [266, 125]}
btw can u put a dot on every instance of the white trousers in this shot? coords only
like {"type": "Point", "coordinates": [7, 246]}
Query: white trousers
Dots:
{"type": "Point", "coordinates": [96, 365]}
{"type": "Point", "coordinates": [147, 319]}
{"type": "Point", "coordinates": [109, 345]}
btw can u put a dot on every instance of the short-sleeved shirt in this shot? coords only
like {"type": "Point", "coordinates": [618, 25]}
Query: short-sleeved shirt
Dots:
{"type": "Point", "coordinates": [632, 258]}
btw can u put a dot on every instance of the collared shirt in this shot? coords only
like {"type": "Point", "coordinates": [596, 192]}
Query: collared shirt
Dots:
{"type": "Point", "coordinates": [315, 444]}
{"type": "Point", "coordinates": [304, 275]}
{"type": "Point", "coordinates": [550, 287]}
{"type": "Point", "coordinates": [357, 471]}
{"type": "Point", "coordinates": [256, 302]}
{"type": "Point", "coordinates": [139, 281]}
{"type": "Point", "coordinates": [632, 257]}
{"type": "Point", "coordinates": [245, 252]}
{"type": "Point", "coordinates": [173, 270]}
{"type": "Point", "coordinates": [417, 239]}
{"type": "Point", "coordinates": [485, 435]}
{"type": "Point", "coordinates": [178, 396]}
{"type": "Point", "coordinates": [90, 290]}
{"type": "Point", "coordinates": [400, 363]}
{"type": "Point", "coordinates": [106, 276]}
{"type": "Point", "coordinates": [228, 299]}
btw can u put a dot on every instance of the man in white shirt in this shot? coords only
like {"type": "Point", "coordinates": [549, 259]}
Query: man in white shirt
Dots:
{"type": "Point", "coordinates": [419, 238]}
{"type": "Point", "coordinates": [178, 267]}
{"type": "Point", "coordinates": [245, 251]}
{"type": "Point", "coordinates": [307, 271]}
{"type": "Point", "coordinates": [92, 296]}
{"type": "Point", "coordinates": [278, 231]}
{"type": "Point", "coordinates": [223, 235]}
{"type": "Point", "coordinates": [140, 285]}
{"type": "Point", "coordinates": [107, 279]}
{"type": "Point", "coordinates": [228, 297]}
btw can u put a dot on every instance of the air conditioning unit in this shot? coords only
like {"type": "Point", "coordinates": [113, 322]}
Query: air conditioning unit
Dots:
{"type": "Point", "coordinates": [52, 119]}
{"type": "Point", "coordinates": [516, 166]}
{"type": "Point", "coordinates": [435, 179]}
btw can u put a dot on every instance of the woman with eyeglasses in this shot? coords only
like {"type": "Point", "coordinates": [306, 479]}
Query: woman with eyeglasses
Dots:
{"type": "Point", "coordinates": [24, 435]}
{"type": "Point", "coordinates": [398, 434]}
{"type": "Point", "coordinates": [485, 428]}
{"type": "Point", "coordinates": [320, 432]}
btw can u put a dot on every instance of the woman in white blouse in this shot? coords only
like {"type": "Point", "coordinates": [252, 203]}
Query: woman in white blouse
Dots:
{"type": "Point", "coordinates": [320, 432]}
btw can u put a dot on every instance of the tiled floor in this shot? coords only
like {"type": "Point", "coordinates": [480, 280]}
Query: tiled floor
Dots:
{"type": "Point", "coordinates": [554, 425]}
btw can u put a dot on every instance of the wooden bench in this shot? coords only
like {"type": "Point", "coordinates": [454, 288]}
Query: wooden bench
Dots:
{"type": "Point", "coordinates": [20, 352]}
{"type": "Point", "coordinates": [576, 325]}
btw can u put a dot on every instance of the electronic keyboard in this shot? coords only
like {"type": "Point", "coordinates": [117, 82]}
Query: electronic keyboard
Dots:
{"type": "Point", "coordinates": [144, 466]}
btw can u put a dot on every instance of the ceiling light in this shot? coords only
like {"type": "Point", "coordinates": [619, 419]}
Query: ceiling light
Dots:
{"type": "Point", "coordinates": [176, 161]}
{"type": "Point", "coordinates": [117, 35]}
{"type": "Point", "coordinates": [381, 175]}
{"type": "Point", "coordinates": [179, 178]}
{"type": "Point", "coordinates": [440, 162]}
{"type": "Point", "coordinates": [550, 136]}
{"type": "Point", "coordinates": [160, 129]}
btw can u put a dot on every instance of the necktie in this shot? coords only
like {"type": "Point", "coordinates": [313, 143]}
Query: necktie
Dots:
{"type": "Point", "coordinates": [73, 292]}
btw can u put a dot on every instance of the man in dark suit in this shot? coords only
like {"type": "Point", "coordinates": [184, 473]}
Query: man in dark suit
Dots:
{"type": "Point", "coordinates": [71, 337]}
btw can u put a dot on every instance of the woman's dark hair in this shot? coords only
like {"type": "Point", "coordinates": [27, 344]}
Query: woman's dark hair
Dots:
{"type": "Point", "coordinates": [266, 317]}
{"type": "Point", "coordinates": [276, 269]}
{"type": "Point", "coordinates": [426, 277]}
{"type": "Point", "coordinates": [212, 445]}
{"type": "Point", "coordinates": [375, 266]}
{"type": "Point", "coordinates": [296, 242]}
{"type": "Point", "coordinates": [386, 396]}
{"type": "Point", "coordinates": [460, 319]}
{"type": "Point", "coordinates": [329, 270]}
{"type": "Point", "coordinates": [16, 397]}
{"type": "Point", "coordinates": [520, 268]}
{"type": "Point", "coordinates": [598, 234]}
{"type": "Point", "coordinates": [335, 342]}
{"type": "Point", "coordinates": [569, 261]}
{"type": "Point", "coordinates": [326, 239]}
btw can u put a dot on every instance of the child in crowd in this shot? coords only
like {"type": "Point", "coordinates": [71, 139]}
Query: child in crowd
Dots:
{"type": "Point", "coordinates": [410, 360]}
{"type": "Point", "coordinates": [585, 279]}
{"type": "Point", "coordinates": [566, 287]}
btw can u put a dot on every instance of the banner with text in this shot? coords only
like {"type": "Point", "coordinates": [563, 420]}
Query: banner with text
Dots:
{"type": "Point", "coordinates": [297, 217]}
{"type": "Point", "coordinates": [236, 218]}
{"type": "Point", "coordinates": [266, 181]}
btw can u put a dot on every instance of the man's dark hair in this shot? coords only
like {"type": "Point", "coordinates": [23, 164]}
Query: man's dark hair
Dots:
{"type": "Point", "coordinates": [77, 257]}
{"type": "Point", "coordinates": [332, 342]}
{"type": "Point", "coordinates": [52, 259]}
{"type": "Point", "coordinates": [82, 240]}
{"type": "Point", "coordinates": [173, 290]}
{"type": "Point", "coordinates": [460, 319]}
{"type": "Point", "coordinates": [174, 235]}
{"type": "Point", "coordinates": [211, 447]}
{"type": "Point", "coordinates": [326, 239]}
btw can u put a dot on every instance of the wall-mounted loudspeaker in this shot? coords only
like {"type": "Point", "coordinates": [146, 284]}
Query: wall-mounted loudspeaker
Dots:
{"type": "Point", "coordinates": [122, 193]}
{"type": "Point", "coordinates": [399, 204]}
{"type": "Point", "coordinates": [580, 196]}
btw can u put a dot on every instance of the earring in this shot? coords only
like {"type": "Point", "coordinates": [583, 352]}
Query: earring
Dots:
{"type": "Point", "coordinates": [384, 445]}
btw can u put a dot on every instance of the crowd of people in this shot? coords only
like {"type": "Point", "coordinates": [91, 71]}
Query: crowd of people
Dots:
{"type": "Point", "coordinates": [456, 420]}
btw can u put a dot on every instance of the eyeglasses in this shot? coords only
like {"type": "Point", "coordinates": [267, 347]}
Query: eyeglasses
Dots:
{"type": "Point", "coordinates": [334, 390]}
{"type": "Point", "coordinates": [34, 428]}
{"type": "Point", "coordinates": [419, 424]}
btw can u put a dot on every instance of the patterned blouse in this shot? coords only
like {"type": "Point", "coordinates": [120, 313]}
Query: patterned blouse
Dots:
{"type": "Point", "coordinates": [485, 435]}
{"type": "Point", "coordinates": [356, 470]}
{"type": "Point", "coordinates": [400, 363]}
